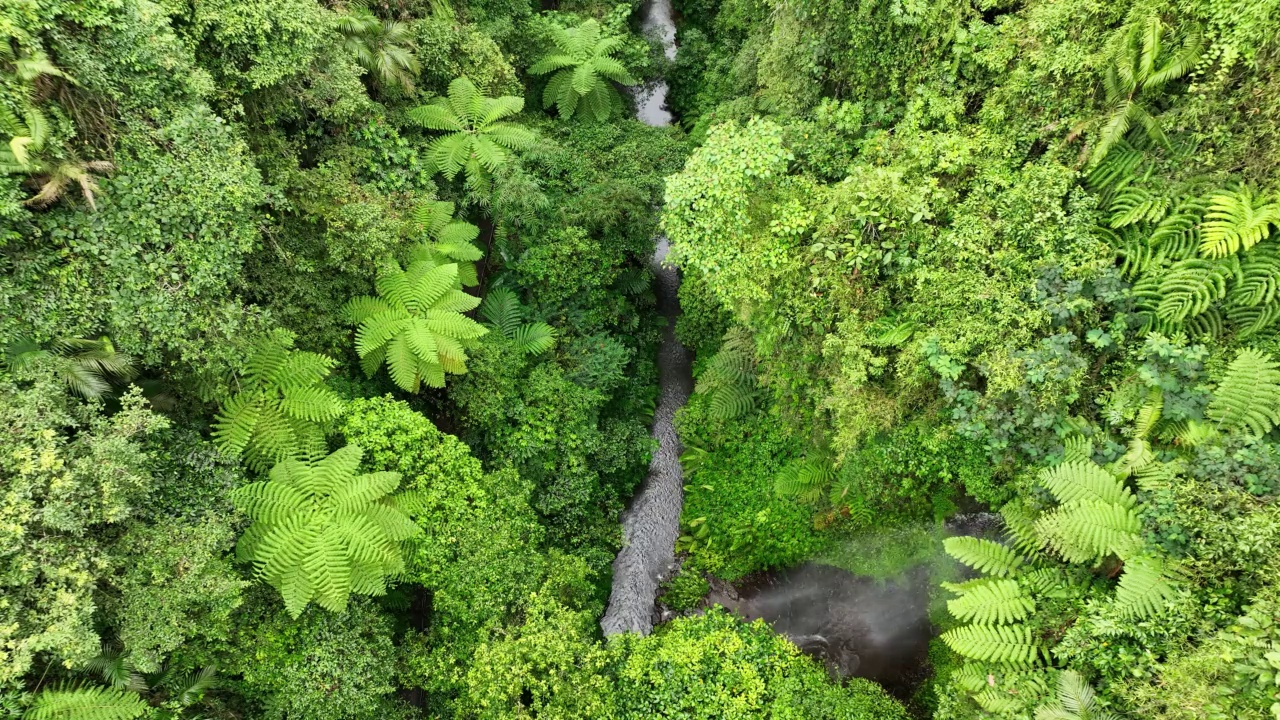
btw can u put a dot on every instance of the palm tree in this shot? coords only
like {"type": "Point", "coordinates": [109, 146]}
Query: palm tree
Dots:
{"type": "Point", "coordinates": [27, 154]}
{"type": "Point", "coordinates": [477, 142]}
{"type": "Point", "coordinates": [383, 47]}
{"type": "Point", "coordinates": [1142, 65]}
{"type": "Point", "coordinates": [583, 64]}
{"type": "Point", "coordinates": [87, 367]}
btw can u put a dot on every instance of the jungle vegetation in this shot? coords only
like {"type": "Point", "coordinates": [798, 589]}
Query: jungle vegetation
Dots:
{"type": "Point", "coordinates": [328, 339]}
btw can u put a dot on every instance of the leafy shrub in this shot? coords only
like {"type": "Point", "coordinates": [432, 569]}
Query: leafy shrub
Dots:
{"type": "Point", "coordinates": [729, 493]}
{"type": "Point", "coordinates": [716, 666]}
{"type": "Point", "coordinates": [321, 666]}
{"type": "Point", "coordinates": [685, 590]}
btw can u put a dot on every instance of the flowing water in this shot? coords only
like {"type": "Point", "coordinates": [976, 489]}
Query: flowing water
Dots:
{"type": "Point", "coordinates": [652, 522]}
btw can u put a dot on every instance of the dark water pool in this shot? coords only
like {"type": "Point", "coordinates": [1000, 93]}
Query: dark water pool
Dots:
{"type": "Point", "coordinates": [857, 626]}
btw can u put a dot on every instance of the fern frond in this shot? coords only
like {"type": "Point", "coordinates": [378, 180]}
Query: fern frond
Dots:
{"type": "Point", "coordinates": [86, 703]}
{"type": "Point", "coordinates": [1076, 480]}
{"type": "Point", "coordinates": [804, 479]}
{"type": "Point", "coordinates": [1091, 530]}
{"type": "Point", "coordinates": [502, 309]}
{"type": "Point", "coordinates": [1134, 205]}
{"type": "Point", "coordinates": [731, 401]}
{"type": "Point", "coordinates": [989, 601]}
{"type": "Point", "coordinates": [982, 555]}
{"type": "Point", "coordinates": [1076, 701]}
{"type": "Point", "coordinates": [1145, 588]}
{"type": "Point", "coordinates": [1191, 287]}
{"type": "Point", "coordinates": [1236, 220]}
{"type": "Point", "coordinates": [1248, 398]}
{"type": "Point", "coordinates": [1011, 644]}
{"type": "Point", "coordinates": [1020, 526]}
{"type": "Point", "coordinates": [534, 338]}
{"type": "Point", "coordinates": [1077, 448]}
{"type": "Point", "coordinates": [1259, 276]}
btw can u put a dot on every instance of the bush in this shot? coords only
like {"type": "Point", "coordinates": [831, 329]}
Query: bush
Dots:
{"type": "Point", "coordinates": [716, 666]}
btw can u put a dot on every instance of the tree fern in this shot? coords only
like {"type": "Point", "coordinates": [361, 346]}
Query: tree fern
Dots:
{"type": "Point", "coordinates": [1077, 448]}
{"type": "Point", "coordinates": [281, 405]}
{"type": "Point", "coordinates": [989, 601]}
{"type": "Point", "coordinates": [1012, 644]}
{"type": "Point", "coordinates": [984, 556]}
{"type": "Point", "coordinates": [1248, 398]}
{"type": "Point", "coordinates": [415, 325]}
{"type": "Point", "coordinates": [1145, 588]}
{"type": "Point", "coordinates": [1116, 169]}
{"type": "Point", "coordinates": [1235, 220]}
{"type": "Point", "coordinates": [729, 377]}
{"type": "Point", "coordinates": [1076, 701]}
{"type": "Point", "coordinates": [1177, 236]}
{"type": "Point", "coordinates": [584, 67]}
{"type": "Point", "coordinates": [504, 313]}
{"type": "Point", "coordinates": [320, 532]}
{"type": "Point", "coordinates": [477, 143]}
{"type": "Point", "coordinates": [1255, 320]}
{"type": "Point", "coordinates": [86, 703]}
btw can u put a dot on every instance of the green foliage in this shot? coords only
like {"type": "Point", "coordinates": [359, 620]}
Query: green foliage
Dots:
{"type": "Point", "coordinates": [88, 367]}
{"type": "Point", "coordinates": [1248, 398]}
{"type": "Point", "coordinates": [983, 555]}
{"type": "Point", "coordinates": [73, 476]}
{"type": "Point", "coordinates": [548, 666]}
{"type": "Point", "coordinates": [318, 666]}
{"type": "Point", "coordinates": [280, 406]}
{"type": "Point", "coordinates": [736, 522]}
{"type": "Point", "coordinates": [382, 47]}
{"type": "Point", "coordinates": [478, 141]}
{"type": "Point", "coordinates": [685, 591]}
{"type": "Point", "coordinates": [505, 314]}
{"type": "Point", "coordinates": [479, 549]}
{"type": "Point", "coordinates": [728, 379]}
{"type": "Point", "coordinates": [86, 703]}
{"type": "Point", "coordinates": [321, 532]}
{"type": "Point", "coordinates": [1076, 701]}
{"type": "Point", "coordinates": [1233, 222]}
{"type": "Point", "coordinates": [415, 325]}
{"type": "Point", "coordinates": [1011, 644]}
{"type": "Point", "coordinates": [804, 479]}
{"type": "Point", "coordinates": [715, 666]}
{"type": "Point", "coordinates": [584, 67]}
{"type": "Point", "coordinates": [1143, 63]}
{"type": "Point", "coordinates": [175, 584]}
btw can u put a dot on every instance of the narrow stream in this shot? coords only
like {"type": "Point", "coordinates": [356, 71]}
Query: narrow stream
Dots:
{"type": "Point", "coordinates": [652, 522]}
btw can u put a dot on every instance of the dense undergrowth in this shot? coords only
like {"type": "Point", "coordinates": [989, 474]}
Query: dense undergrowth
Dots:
{"type": "Point", "coordinates": [1019, 256]}
{"type": "Point", "coordinates": [328, 351]}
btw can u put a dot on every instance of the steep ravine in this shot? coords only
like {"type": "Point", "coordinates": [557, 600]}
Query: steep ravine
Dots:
{"type": "Point", "coordinates": [651, 523]}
